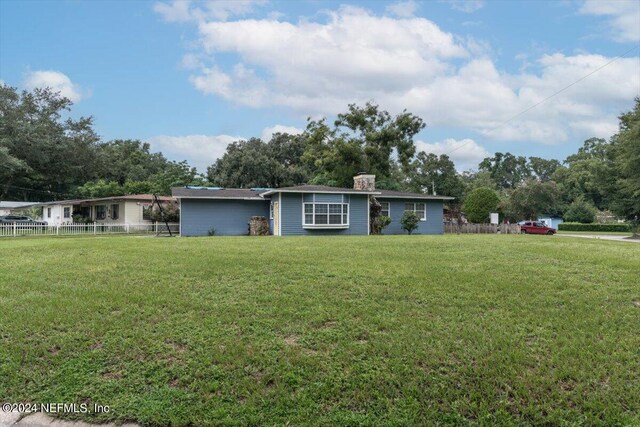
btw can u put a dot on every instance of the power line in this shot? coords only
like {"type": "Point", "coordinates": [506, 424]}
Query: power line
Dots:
{"type": "Point", "coordinates": [550, 96]}
{"type": "Point", "coordinates": [33, 190]}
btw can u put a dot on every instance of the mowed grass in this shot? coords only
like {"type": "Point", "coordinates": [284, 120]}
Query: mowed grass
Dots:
{"type": "Point", "coordinates": [597, 233]}
{"type": "Point", "coordinates": [380, 330]}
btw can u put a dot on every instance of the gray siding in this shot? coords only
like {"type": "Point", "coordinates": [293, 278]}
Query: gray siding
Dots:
{"type": "Point", "coordinates": [291, 214]}
{"type": "Point", "coordinates": [433, 224]}
{"type": "Point", "coordinates": [227, 217]}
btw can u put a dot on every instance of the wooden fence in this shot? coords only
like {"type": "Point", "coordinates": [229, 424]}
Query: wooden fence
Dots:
{"type": "Point", "coordinates": [16, 229]}
{"type": "Point", "coordinates": [481, 228]}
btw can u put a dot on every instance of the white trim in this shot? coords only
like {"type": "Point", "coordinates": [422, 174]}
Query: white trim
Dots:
{"type": "Point", "coordinates": [315, 191]}
{"type": "Point", "coordinates": [369, 215]}
{"type": "Point", "coordinates": [180, 221]}
{"type": "Point", "coordinates": [384, 196]}
{"type": "Point", "coordinates": [328, 214]}
{"type": "Point", "coordinates": [424, 218]}
{"type": "Point", "coordinates": [325, 226]}
{"type": "Point", "coordinates": [279, 215]}
{"type": "Point", "coordinates": [260, 199]}
{"type": "Point", "coordinates": [388, 210]}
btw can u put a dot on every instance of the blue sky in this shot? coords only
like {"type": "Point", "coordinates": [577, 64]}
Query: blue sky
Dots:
{"type": "Point", "coordinates": [190, 77]}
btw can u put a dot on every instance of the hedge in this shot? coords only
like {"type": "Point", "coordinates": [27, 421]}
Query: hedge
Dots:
{"type": "Point", "coordinates": [576, 226]}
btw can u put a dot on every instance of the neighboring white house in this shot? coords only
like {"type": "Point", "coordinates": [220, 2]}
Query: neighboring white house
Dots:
{"type": "Point", "coordinates": [132, 209]}
{"type": "Point", "coordinates": [6, 208]}
{"type": "Point", "coordinates": [551, 221]}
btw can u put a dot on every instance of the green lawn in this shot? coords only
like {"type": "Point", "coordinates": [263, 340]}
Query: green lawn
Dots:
{"type": "Point", "coordinates": [596, 233]}
{"type": "Point", "coordinates": [380, 330]}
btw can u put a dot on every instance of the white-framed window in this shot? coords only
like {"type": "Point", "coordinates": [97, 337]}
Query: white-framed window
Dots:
{"type": "Point", "coordinates": [101, 211]}
{"type": "Point", "coordinates": [115, 211]}
{"type": "Point", "coordinates": [419, 208]}
{"type": "Point", "coordinates": [66, 212]}
{"type": "Point", "coordinates": [271, 210]}
{"type": "Point", "coordinates": [386, 209]}
{"type": "Point", "coordinates": [325, 214]}
{"type": "Point", "coordinates": [147, 212]}
{"type": "Point", "coordinates": [48, 212]}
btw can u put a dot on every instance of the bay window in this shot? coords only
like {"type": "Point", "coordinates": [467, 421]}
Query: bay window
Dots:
{"type": "Point", "coordinates": [325, 215]}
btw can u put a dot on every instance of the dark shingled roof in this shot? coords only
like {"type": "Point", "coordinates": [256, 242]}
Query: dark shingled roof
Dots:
{"type": "Point", "coordinates": [318, 189]}
{"type": "Point", "coordinates": [218, 193]}
{"type": "Point", "coordinates": [257, 193]}
{"type": "Point", "coordinates": [407, 195]}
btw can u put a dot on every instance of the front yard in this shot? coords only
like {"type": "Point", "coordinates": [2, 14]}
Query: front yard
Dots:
{"type": "Point", "coordinates": [380, 330]}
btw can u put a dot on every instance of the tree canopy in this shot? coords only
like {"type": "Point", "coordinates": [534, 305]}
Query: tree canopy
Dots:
{"type": "Point", "coordinates": [480, 203]}
{"type": "Point", "coordinates": [43, 153]}
{"type": "Point", "coordinates": [364, 139]}
{"type": "Point", "coordinates": [46, 154]}
{"type": "Point", "coordinates": [625, 194]}
{"type": "Point", "coordinates": [255, 163]}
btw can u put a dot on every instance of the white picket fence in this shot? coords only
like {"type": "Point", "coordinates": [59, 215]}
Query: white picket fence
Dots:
{"type": "Point", "coordinates": [15, 230]}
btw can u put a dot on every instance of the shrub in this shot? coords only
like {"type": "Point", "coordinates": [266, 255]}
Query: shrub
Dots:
{"type": "Point", "coordinates": [409, 221]}
{"type": "Point", "coordinates": [211, 232]}
{"type": "Point", "coordinates": [480, 203]}
{"type": "Point", "coordinates": [381, 223]}
{"type": "Point", "coordinates": [170, 213]}
{"type": "Point", "coordinates": [580, 211]}
{"type": "Point", "coordinates": [377, 222]}
{"type": "Point", "coordinates": [576, 226]}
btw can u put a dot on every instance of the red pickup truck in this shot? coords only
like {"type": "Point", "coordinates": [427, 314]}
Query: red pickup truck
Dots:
{"type": "Point", "coordinates": [536, 227]}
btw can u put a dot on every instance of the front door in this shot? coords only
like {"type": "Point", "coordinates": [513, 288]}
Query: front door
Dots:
{"type": "Point", "coordinates": [276, 219]}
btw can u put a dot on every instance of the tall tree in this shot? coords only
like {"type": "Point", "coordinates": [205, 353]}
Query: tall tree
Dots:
{"type": "Point", "coordinates": [532, 198]}
{"type": "Point", "coordinates": [480, 203]}
{"type": "Point", "coordinates": [625, 194]}
{"type": "Point", "coordinates": [364, 139]}
{"type": "Point", "coordinates": [479, 179]}
{"type": "Point", "coordinates": [506, 170]}
{"type": "Point", "coordinates": [46, 155]}
{"type": "Point", "coordinates": [123, 160]}
{"type": "Point", "coordinates": [430, 172]}
{"type": "Point", "coordinates": [254, 163]}
{"type": "Point", "coordinates": [543, 169]}
{"type": "Point", "coordinates": [588, 174]}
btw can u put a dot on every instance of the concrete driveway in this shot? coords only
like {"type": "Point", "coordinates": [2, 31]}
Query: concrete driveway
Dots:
{"type": "Point", "coordinates": [613, 237]}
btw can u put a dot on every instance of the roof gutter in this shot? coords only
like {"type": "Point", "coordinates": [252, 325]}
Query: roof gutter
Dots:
{"type": "Point", "coordinates": [425, 197]}
{"type": "Point", "coordinates": [220, 198]}
{"type": "Point", "coordinates": [270, 192]}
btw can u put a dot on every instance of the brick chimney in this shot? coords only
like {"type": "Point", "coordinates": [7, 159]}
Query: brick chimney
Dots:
{"type": "Point", "coordinates": [364, 182]}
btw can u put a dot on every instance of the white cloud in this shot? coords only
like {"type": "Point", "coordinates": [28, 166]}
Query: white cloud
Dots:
{"type": "Point", "coordinates": [186, 10]}
{"type": "Point", "coordinates": [402, 9]}
{"type": "Point", "coordinates": [624, 17]}
{"type": "Point", "coordinates": [57, 81]}
{"type": "Point", "coordinates": [466, 6]}
{"type": "Point", "coordinates": [191, 61]}
{"type": "Point", "coordinates": [465, 153]}
{"type": "Point", "coordinates": [317, 68]}
{"type": "Point", "coordinates": [267, 133]}
{"type": "Point", "coordinates": [199, 150]}
{"type": "Point", "coordinates": [203, 150]}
